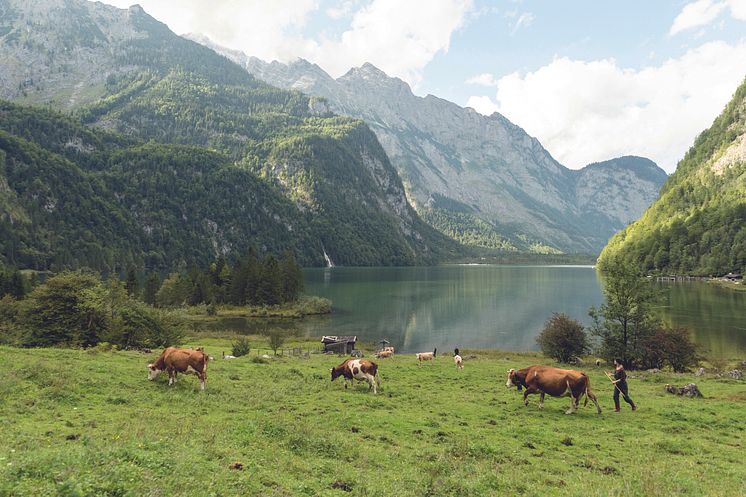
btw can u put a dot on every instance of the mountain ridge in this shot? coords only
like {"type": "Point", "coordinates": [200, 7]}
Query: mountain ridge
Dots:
{"type": "Point", "coordinates": [520, 194]}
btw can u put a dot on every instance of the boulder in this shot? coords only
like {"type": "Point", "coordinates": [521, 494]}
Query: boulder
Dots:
{"type": "Point", "coordinates": [736, 374]}
{"type": "Point", "coordinates": [690, 390]}
{"type": "Point", "coordinates": [700, 372]}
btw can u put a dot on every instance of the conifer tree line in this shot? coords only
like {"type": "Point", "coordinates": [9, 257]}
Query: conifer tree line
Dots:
{"type": "Point", "coordinates": [13, 283]}
{"type": "Point", "coordinates": [249, 280]}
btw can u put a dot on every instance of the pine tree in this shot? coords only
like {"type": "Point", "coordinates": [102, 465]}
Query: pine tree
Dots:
{"type": "Point", "coordinates": [292, 277]}
{"type": "Point", "coordinates": [269, 285]}
{"type": "Point", "coordinates": [152, 283]}
{"type": "Point", "coordinates": [132, 285]}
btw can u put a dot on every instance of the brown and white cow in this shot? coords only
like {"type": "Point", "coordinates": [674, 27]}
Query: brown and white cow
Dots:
{"type": "Point", "coordinates": [177, 361]}
{"type": "Point", "coordinates": [554, 381]}
{"type": "Point", "coordinates": [358, 369]}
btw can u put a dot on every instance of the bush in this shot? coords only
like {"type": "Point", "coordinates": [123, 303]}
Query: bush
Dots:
{"type": "Point", "coordinates": [211, 309]}
{"type": "Point", "coordinates": [241, 347]}
{"type": "Point", "coordinates": [79, 310]}
{"type": "Point", "coordinates": [276, 339]}
{"type": "Point", "coordinates": [562, 338]}
{"type": "Point", "coordinates": [9, 331]}
{"type": "Point", "coordinates": [670, 346]}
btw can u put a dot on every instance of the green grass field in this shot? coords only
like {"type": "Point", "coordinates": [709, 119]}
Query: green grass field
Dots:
{"type": "Point", "coordinates": [80, 423]}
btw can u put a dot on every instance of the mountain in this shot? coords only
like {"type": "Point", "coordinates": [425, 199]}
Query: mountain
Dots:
{"type": "Point", "coordinates": [615, 192]}
{"type": "Point", "coordinates": [479, 179]}
{"type": "Point", "coordinates": [698, 224]}
{"type": "Point", "coordinates": [265, 156]}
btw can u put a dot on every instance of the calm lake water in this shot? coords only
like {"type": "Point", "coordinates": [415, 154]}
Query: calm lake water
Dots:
{"type": "Point", "coordinates": [503, 307]}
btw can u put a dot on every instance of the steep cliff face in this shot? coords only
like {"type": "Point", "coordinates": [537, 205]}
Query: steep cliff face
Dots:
{"type": "Point", "coordinates": [479, 179]}
{"type": "Point", "coordinates": [698, 224]}
{"type": "Point", "coordinates": [616, 191]}
{"type": "Point", "coordinates": [128, 74]}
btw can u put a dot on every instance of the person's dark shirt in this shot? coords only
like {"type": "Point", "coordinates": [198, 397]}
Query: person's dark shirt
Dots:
{"type": "Point", "coordinates": [620, 374]}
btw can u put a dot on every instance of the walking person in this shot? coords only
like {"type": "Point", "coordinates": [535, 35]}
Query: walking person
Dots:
{"type": "Point", "coordinates": [620, 386]}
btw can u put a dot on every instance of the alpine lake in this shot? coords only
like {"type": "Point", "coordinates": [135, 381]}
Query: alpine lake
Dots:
{"type": "Point", "coordinates": [492, 307]}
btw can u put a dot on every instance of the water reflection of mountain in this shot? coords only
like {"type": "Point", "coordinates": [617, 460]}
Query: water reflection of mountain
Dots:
{"type": "Point", "coordinates": [465, 306]}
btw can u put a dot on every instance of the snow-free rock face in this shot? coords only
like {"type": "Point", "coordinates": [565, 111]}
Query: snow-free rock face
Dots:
{"type": "Point", "coordinates": [77, 42]}
{"type": "Point", "coordinates": [480, 179]}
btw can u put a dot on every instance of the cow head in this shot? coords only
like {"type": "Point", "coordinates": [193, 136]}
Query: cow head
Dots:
{"type": "Point", "coordinates": [153, 372]}
{"type": "Point", "coordinates": [514, 380]}
{"type": "Point", "coordinates": [336, 373]}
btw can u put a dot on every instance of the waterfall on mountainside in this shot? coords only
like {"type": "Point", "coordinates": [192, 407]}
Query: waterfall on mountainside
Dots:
{"type": "Point", "coordinates": [329, 262]}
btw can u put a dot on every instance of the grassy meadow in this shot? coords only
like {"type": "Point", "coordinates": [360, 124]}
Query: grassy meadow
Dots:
{"type": "Point", "coordinates": [80, 423]}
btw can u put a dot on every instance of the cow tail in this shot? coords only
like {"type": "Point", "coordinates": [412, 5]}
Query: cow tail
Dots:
{"type": "Point", "coordinates": [587, 388]}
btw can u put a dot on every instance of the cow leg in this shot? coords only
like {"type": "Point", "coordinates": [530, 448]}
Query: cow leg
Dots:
{"type": "Point", "coordinates": [541, 401]}
{"type": "Point", "coordinates": [372, 384]}
{"type": "Point", "coordinates": [171, 378]}
{"type": "Point", "coordinates": [202, 379]}
{"type": "Point", "coordinates": [525, 395]}
{"type": "Point", "coordinates": [592, 396]}
{"type": "Point", "coordinates": [574, 401]}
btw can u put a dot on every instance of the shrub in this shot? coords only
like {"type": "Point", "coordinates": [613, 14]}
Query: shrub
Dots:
{"type": "Point", "coordinates": [276, 339]}
{"type": "Point", "coordinates": [9, 331]}
{"type": "Point", "coordinates": [66, 310]}
{"type": "Point", "coordinates": [670, 346]}
{"type": "Point", "coordinates": [77, 309]}
{"type": "Point", "coordinates": [562, 338]}
{"type": "Point", "coordinates": [211, 309]}
{"type": "Point", "coordinates": [241, 347]}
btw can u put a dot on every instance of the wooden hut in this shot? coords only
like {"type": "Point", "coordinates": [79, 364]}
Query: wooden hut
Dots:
{"type": "Point", "coordinates": [339, 344]}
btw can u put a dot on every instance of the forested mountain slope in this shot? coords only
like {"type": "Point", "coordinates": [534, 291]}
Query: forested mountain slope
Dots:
{"type": "Point", "coordinates": [479, 179]}
{"type": "Point", "coordinates": [77, 197]}
{"type": "Point", "coordinates": [247, 151]}
{"type": "Point", "coordinates": [698, 224]}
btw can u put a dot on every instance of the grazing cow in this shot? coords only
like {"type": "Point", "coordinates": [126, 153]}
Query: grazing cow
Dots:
{"type": "Point", "coordinates": [458, 362]}
{"type": "Point", "coordinates": [381, 354]}
{"type": "Point", "coordinates": [556, 382]}
{"type": "Point", "coordinates": [426, 356]}
{"type": "Point", "coordinates": [177, 361]}
{"type": "Point", "coordinates": [358, 369]}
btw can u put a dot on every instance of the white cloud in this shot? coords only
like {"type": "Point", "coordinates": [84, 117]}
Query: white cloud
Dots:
{"type": "Point", "coordinates": [264, 29]}
{"type": "Point", "coordinates": [482, 104]}
{"type": "Point", "coordinates": [524, 20]}
{"type": "Point", "coordinates": [737, 9]}
{"type": "Point", "coordinates": [341, 11]}
{"type": "Point", "coordinates": [584, 112]}
{"type": "Point", "coordinates": [703, 12]}
{"type": "Point", "coordinates": [400, 38]}
{"type": "Point", "coordinates": [485, 79]}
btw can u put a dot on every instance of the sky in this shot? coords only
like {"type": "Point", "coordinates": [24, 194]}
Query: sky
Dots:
{"type": "Point", "coordinates": [591, 79]}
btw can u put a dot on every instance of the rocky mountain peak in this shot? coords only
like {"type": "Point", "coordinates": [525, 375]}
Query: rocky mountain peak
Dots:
{"type": "Point", "coordinates": [371, 75]}
{"type": "Point", "coordinates": [480, 176]}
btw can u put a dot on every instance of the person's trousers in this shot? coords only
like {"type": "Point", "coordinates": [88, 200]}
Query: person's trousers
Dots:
{"type": "Point", "coordinates": [622, 385]}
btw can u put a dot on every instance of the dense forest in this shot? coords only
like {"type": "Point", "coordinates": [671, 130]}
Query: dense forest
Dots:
{"type": "Point", "coordinates": [698, 225]}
